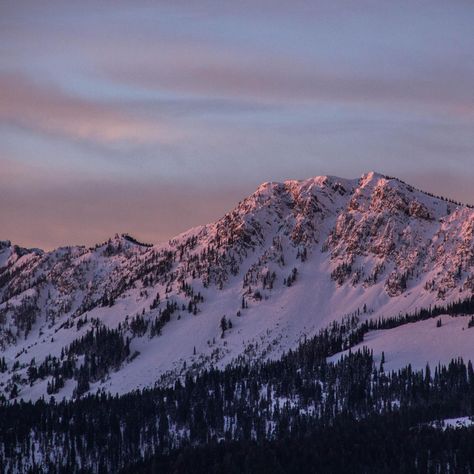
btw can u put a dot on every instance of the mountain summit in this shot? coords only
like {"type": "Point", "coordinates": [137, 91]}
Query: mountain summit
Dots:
{"type": "Point", "coordinates": [287, 261]}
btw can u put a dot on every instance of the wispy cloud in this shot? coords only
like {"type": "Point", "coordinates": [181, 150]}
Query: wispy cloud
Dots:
{"type": "Point", "coordinates": [220, 72]}
{"type": "Point", "coordinates": [48, 109]}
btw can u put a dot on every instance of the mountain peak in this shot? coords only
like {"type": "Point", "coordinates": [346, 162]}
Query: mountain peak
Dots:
{"type": "Point", "coordinates": [371, 177]}
{"type": "Point", "coordinates": [347, 243]}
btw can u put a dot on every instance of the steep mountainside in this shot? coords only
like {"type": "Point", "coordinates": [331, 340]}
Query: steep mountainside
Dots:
{"type": "Point", "coordinates": [287, 261]}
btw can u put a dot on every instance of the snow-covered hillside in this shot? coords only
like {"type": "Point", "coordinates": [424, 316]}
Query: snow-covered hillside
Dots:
{"type": "Point", "coordinates": [287, 261]}
{"type": "Point", "coordinates": [433, 341]}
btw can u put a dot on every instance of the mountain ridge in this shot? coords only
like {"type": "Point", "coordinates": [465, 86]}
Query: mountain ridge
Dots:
{"type": "Point", "coordinates": [287, 260]}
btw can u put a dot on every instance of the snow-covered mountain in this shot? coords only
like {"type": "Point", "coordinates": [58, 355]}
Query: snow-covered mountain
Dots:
{"type": "Point", "coordinates": [286, 262]}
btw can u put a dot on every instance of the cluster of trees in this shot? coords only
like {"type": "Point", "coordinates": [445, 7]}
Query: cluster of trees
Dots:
{"type": "Point", "coordinates": [341, 273]}
{"type": "Point", "coordinates": [442, 198]}
{"type": "Point", "coordinates": [301, 396]}
{"type": "Point", "coordinates": [138, 325]}
{"type": "Point", "coordinates": [215, 261]}
{"type": "Point", "coordinates": [163, 317]}
{"type": "Point", "coordinates": [24, 314]}
{"type": "Point", "coordinates": [224, 325]}
{"type": "Point", "coordinates": [131, 239]}
{"type": "Point", "coordinates": [101, 350]}
{"type": "Point", "coordinates": [457, 308]}
{"type": "Point", "coordinates": [391, 443]}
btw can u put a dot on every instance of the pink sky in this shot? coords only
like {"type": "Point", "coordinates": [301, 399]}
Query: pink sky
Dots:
{"type": "Point", "coordinates": [152, 117]}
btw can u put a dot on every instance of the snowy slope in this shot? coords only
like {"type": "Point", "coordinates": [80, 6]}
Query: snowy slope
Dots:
{"type": "Point", "coordinates": [421, 343]}
{"type": "Point", "coordinates": [287, 261]}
